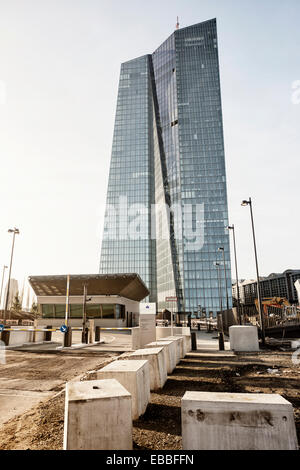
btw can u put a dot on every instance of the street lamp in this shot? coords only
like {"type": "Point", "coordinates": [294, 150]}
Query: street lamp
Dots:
{"type": "Point", "coordinates": [3, 272]}
{"type": "Point", "coordinates": [218, 266]}
{"type": "Point", "coordinates": [221, 249]}
{"type": "Point", "coordinates": [15, 232]}
{"type": "Point", "coordinates": [262, 320]}
{"type": "Point", "coordinates": [221, 332]}
{"type": "Point", "coordinates": [232, 228]}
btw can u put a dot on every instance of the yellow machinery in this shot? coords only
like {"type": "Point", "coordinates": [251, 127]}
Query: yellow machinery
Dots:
{"type": "Point", "coordinates": [277, 302]}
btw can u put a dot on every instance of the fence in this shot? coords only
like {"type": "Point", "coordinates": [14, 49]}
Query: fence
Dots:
{"type": "Point", "coordinates": [276, 317]}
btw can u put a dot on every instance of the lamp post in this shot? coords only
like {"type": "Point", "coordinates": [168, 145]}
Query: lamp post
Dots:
{"type": "Point", "coordinates": [3, 272]}
{"type": "Point", "coordinates": [232, 228]}
{"type": "Point", "coordinates": [262, 321]}
{"type": "Point", "coordinates": [15, 232]}
{"type": "Point", "coordinates": [221, 249]}
{"type": "Point", "coordinates": [221, 332]}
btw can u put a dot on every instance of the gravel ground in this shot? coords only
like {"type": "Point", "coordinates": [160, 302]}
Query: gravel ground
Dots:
{"type": "Point", "coordinates": [160, 427]}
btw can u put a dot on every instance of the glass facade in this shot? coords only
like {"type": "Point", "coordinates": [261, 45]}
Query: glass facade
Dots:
{"type": "Point", "coordinates": [127, 246]}
{"type": "Point", "coordinates": [103, 311]}
{"type": "Point", "coordinates": [168, 150]}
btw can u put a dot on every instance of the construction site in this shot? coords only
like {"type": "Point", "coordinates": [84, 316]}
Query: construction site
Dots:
{"type": "Point", "coordinates": [34, 376]}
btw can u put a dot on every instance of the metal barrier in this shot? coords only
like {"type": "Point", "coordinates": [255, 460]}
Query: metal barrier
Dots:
{"type": "Point", "coordinates": [67, 338]}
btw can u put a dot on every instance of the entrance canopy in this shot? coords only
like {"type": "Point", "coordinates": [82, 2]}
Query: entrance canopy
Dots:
{"type": "Point", "coordinates": [129, 286]}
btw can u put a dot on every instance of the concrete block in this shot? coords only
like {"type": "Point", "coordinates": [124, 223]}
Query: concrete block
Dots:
{"type": "Point", "coordinates": [188, 342]}
{"type": "Point", "coordinates": [135, 338]}
{"type": "Point", "coordinates": [158, 367]}
{"type": "Point", "coordinates": [135, 377]}
{"type": "Point", "coordinates": [169, 350]}
{"type": "Point", "coordinates": [244, 338]}
{"type": "Point", "coordinates": [179, 343]}
{"type": "Point", "coordinates": [18, 338]}
{"type": "Point", "coordinates": [164, 331]}
{"type": "Point", "coordinates": [39, 336]}
{"type": "Point", "coordinates": [183, 346]}
{"type": "Point", "coordinates": [97, 416]}
{"type": "Point", "coordinates": [229, 421]}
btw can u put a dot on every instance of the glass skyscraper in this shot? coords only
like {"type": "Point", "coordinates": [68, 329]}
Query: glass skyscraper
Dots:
{"type": "Point", "coordinates": [166, 214]}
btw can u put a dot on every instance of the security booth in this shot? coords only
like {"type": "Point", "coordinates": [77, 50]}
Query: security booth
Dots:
{"type": "Point", "coordinates": [111, 301]}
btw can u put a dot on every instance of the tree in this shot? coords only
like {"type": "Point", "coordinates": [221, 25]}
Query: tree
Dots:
{"type": "Point", "coordinates": [35, 310]}
{"type": "Point", "coordinates": [16, 305]}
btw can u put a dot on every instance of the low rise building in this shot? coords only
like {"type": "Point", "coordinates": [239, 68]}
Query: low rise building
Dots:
{"type": "Point", "coordinates": [275, 285]}
{"type": "Point", "coordinates": [111, 300]}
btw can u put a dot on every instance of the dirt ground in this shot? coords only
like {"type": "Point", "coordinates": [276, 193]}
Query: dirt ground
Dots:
{"type": "Point", "coordinates": [27, 383]}
{"type": "Point", "coordinates": [160, 427]}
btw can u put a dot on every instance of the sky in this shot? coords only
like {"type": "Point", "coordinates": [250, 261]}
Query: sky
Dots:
{"type": "Point", "coordinates": [59, 72]}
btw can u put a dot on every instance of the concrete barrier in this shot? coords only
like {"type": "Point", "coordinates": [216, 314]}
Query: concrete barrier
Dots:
{"type": "Point", "coordinates": [244, 338]}
{"type": "Point", "coordinates": [19, 337]}
{"type": "Point", "coordinates": [188, 342]}
{"type": "Point", "coordinates": [182, 346]}
{"type": "Point", "coordinates": [38, 337]}
{"type": "Point", "coordinates": [229, 421]}
{"type": "Point", "coordinates": [164, 331]}
{"type": "Point", "coordinates": [169, 352]}
{"type": "Point", "coordinates": [135, 338]}
{"type": "Point", "coordinates": [16, 338]}
{"type": "Point", "coordinates": [158, 368]}
{"type": "Point", "coordinates": [179, 344]}
{"type": "Point", "coordinates": [135, 377]}
{"type": "Point", "coordinates": [97, 416]}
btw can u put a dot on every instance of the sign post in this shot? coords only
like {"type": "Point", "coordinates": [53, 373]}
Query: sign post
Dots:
{"type": "Point", "coordinates": [172, 299]}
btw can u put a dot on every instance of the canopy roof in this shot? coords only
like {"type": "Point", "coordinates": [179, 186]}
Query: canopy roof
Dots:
{"type": "Point", "coordinates": [130, 286]}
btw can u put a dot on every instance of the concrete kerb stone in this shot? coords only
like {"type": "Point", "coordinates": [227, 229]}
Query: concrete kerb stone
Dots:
{"type": "Point", "coordinates": [157, 364]}
{"type": "Point", "coordinates": [97, 416]}
{"type": "Point", "coordinates": [170, 353]}
{"type": "Point", "coordinates": [134, 375]}
{"type": "Point", "coordinates": [237, 421]}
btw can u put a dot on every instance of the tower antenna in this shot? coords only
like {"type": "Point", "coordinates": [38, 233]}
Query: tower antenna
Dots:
{"type": "Point", "coordinates": [177, 24]}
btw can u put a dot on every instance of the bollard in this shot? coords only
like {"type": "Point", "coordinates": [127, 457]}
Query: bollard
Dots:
{"type": "Point", "coordinates": [68, 338]}
{"type": "Point", "coordinates": [97, 334]}
{"type": "Point", "coordinates": [48, 334]}
{"type": "Point", "coordinates": [221, 342]}
{"type": "Point", "coordinates": [199, 326]}
{"type": "Point", "coordinates": [85, 336]}
{"type": "Point", "coordinates": [194, 341]}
